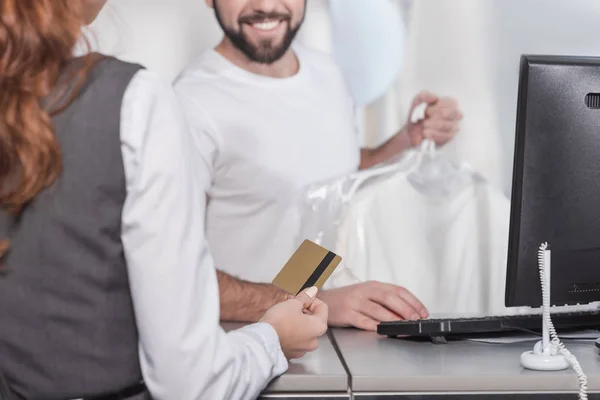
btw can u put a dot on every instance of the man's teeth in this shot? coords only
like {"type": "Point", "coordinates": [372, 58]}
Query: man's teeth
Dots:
{"type": "Point", "coordinates": [266, 25]}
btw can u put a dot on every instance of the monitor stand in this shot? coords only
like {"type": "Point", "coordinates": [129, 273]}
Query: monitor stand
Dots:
{"type": "Point", "coordinates": [545, 356]}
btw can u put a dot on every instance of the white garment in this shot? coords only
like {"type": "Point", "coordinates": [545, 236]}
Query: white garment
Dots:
{"type": "Point", "coordinates": [184, 353]}
{"type": "Point", "coordinates": [450, 251]}
{"type": "Point", "coordinates": [265, 139]}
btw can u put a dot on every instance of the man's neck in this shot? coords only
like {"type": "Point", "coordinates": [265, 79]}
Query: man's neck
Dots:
{"type": "Point", "coordinates": [285, 67]}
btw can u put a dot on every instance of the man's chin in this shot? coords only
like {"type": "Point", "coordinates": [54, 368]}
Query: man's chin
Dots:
{"type": "Point", "coordinates": [267, 57]}
{"type": "Point", "coordinates": [267, 53]}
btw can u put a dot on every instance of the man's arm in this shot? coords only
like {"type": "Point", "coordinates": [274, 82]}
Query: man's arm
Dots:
{"type": "Point", "coordinates": [243, 301]}
{"type": "Point", "coordinates": [396, 145]}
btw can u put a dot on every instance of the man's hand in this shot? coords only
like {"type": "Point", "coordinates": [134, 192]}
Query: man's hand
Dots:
{"type": "Point", "coordinates": [364, 305]}
{"type": "Point", "coordinates": [441, 122]}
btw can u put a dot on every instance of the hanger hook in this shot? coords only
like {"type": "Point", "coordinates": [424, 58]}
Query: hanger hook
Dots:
{"type": "Point", "coordinates": [428, 147]}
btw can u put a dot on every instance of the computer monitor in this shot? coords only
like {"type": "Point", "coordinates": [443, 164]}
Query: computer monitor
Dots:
{"type": "Point", "coordinates": [556, 181]}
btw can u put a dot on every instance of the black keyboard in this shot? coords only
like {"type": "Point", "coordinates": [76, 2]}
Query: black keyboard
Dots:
{"type": "Point", "coordinates": [444, 327]}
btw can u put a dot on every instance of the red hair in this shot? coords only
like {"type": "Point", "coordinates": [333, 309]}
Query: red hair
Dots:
{"type": "Point", "coordinates": [37, 39]}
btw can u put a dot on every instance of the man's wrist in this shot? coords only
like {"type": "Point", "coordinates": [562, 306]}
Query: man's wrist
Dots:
{"type": "Point", "coordinates": [400, 142]}
{"type": "Point", "coordinates": [405, 139]}
{"type": "Point", "coordinates": [271, 295]}
{"type": "Point", "coordinates": [279, 295]}
{"type": "Point", "coordinates": [243, 301]}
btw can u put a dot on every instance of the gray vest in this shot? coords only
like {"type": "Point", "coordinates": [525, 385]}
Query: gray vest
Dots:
{"type": "Point", "coordinates": [67, 327]}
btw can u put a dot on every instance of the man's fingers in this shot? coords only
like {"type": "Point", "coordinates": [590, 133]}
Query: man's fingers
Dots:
{"type": "Point", "coordinates": [378, 312]}
{"type": "Point", "coordinates": [412, 300]}
{"type": "Point", "coordinates": [441, 136]}
{"type": "Point", "coordinates": [448, 102]}
{"type": "Point", "coordinates": [425, 97]}
{"type": "Point", "coordinates": [439, 125]}
{"type": "Point", "coordinates": [447, 108]}
{"type": "Point", "coordinates": [438, 137]}
{"type": "Point", "coordinates": [364, 322]}
{"type": "Point", "coordinates": [396, 304]}
{"type": "Point", "coordinates": [443, 111]}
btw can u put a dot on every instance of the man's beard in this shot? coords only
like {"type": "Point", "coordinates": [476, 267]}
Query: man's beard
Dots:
{"type": "Point", "coordinates": [265, 52]}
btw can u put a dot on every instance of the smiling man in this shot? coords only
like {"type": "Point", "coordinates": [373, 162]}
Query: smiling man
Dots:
{"type": "Point", "coordinates": [270, 117]}
{"type": "Point", "coordinates": [262, 35]}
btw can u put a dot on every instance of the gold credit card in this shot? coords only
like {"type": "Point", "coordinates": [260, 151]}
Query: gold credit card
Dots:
{"type": "Point", "coordinates": [311, 265]}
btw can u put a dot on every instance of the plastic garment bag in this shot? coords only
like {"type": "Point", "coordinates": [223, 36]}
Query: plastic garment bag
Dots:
{"type": "Point", "coordinates": [421, 221]}
{"type": "Point", "coordinates": [324, 203]}
{"type": "Point", "coordinates": [434, 175]}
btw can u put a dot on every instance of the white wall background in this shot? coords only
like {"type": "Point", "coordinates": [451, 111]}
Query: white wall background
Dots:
{"type": "Point", "coordinates": [471, 48]}
{"type": "Point", "coordinates": [161, 34]}
{"type": "Point", "coordinates": [464, 48]}
{"type": "Point", "coordinates": [164, 35]}
{"type": "Point", "coordinates": [537, 26]}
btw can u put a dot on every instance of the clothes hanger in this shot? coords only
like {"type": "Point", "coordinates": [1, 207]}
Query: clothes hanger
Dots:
{"type": "Point", "coordinates": [434, 174]}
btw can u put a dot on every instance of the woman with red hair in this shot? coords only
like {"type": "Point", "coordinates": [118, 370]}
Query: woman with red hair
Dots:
{"type": "Point", "coordinates": [107, 290]}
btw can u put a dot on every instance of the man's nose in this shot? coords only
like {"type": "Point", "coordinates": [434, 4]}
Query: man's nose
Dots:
{"type": "Point", "coordinates": [265, 5]}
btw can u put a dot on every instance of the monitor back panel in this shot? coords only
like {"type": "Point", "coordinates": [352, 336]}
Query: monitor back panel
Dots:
{"type": "Point", "coordinates": [556, 181]}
